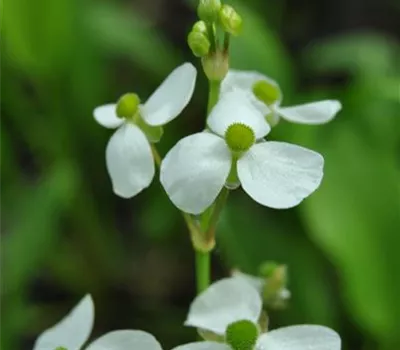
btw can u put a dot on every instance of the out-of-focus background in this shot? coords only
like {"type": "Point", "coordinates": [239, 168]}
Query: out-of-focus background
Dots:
{"type": "Point", "coordinates": [64, 233]}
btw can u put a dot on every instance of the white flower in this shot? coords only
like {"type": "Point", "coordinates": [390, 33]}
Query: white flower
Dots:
{"type": "Point", "coordinates": [232, 300]}
{"type": "Point", "coordinates": [310, 113]}
{"type": "Point", "coordinates": [275, 174]}
{"type": "Point", "coordinates": [73, 331]}
{"type": "Point", "coordinates": [259, 284]}
{"type": "Point", "coordinates": [129, 157]}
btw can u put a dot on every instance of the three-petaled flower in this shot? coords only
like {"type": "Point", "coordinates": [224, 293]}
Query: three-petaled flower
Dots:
{"type": "Point", "coordinates": [275, 174]}
{"type": "Point", "coordinates": [230, 308]}
{"type": "Point", "coordinates": [265, 94]}
{"type": "Point", "coordinates": [129, 158]}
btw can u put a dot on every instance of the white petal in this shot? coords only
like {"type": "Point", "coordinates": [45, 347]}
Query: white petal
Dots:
{"type": "Point", "coordinates": [125, 340]}
{"type": "Point", "coordinates": [236, 108]}
{"type": "Point", "coordinates": [311, 113]}
{"type": "Point", "coordinates": [203, 345]}
{"type": "Point", "coordinates": [129, 161]}
{"type": "Point", "coordinates": [106, 116]}
{"type": "Point", "coordinates": [171, 97]}
{"type": "Point", "coordinates": [302, 337]}
{"type": "Point", "coordinates": [256, 282]}
{"type": "Point", "coordinates": [244, 80]}
{"type": "Point", "coordinates": [195, 170]}
{"type": "Point", "coordinates": [280, 175]}
{"type": "Point", "coordinates": [224, 302]}
{"type": "Point", "coordinates": [72, 331]}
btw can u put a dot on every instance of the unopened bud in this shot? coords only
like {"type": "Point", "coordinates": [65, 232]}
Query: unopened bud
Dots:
{"type": "Point", "coordinates": [127, 105]}
{"type": "Point", "coordinates": [200, 26]}
{"type": "Point", "coordinates": [208, 10]}
{"type": "Point", "coordinates": [198, 43]}
{"type": "Point", "coordinates": [230, 20]}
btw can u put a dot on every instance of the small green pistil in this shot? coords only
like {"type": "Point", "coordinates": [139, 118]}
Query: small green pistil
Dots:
{"type": "Point", "coordinates": [239, 137]}
{"type": "Point", "coordinates": [242, 335]}
{"type": "Point", "coordinates": [127, 105]}
{"type": "Point", "coordinates": [266, 92]}
{"type": "Point", "coordinates": [60, 348]}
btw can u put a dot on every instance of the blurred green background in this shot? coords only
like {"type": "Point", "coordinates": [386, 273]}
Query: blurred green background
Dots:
{"type": "Point", "coordinates": [64, 233]}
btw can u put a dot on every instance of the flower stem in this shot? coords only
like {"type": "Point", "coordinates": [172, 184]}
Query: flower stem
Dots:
{"type": "Point", "coordinates": [202, 271]}
{"type": "Point", "coordinates": [213, 94]}
{"type": "Point", "coordinates": [218, 206]}
{"type": "Point", "coordinates": [227, 39]}
{"type": "Point", "coordinates": [156, 155]}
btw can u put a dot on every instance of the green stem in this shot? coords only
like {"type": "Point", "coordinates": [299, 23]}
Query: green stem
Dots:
{"type": "Point", "coordinates": [213, 94]}
{"type": "Point", "coordinates": [219, 205]}
{"type": "Point", "coordinates": [227, 39]}
{"type": "Point", "coordinates": [202, 271]}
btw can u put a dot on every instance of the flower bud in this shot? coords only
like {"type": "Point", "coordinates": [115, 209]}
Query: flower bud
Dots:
{"type": "Point", "coordinates": [242, 335]}
{"type": "Point", "coordinates": [200, 26]}
{"type": "Point", "coordinates": [207, 10]}
{"type": "Point", "coordinates": [127, 105]}
{"type": "Point", "coordinates": [230, 20]}
{"type": "Point", "coordinates": [215, 66]}
{"type": "Point", "coordinates": [198, 43]}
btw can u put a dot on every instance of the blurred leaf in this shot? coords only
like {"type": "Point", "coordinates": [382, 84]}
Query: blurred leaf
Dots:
{"type": "Point", "coordinates": [38, 34]}
{"type": "Point", "coordinates": [362, 53]}
{"type": "Point", "coordinates": [246, 242]}
{"type": "Point", "coordinates": [121, 31]}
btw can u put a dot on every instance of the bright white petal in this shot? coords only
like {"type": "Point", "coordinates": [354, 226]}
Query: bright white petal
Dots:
{"type": "Point", "coordinates": [125, 340]}
{"type": "Point", "coordinates": [280, 175]}
{"type": "Point", "coordinates": [171, 97]}
{"type": "Point", "coordinates": [256, 282]}
{"type": "Point", "coordinates": [195, 170]}
{"type": "Point", "coordinates": [106, 116]}
{"type": "Point", "coordinates": [72, 331]}
{"type": "Point", "coordinates": [236, 108]}
{"type": "Point", "coordinates": [311, 113]}
{"type": "Point", "coordinates": [129, 161]}
{"type": "Point", "coordinates": [302, 337]}
{"type": "Point", "coordinates": [203, 345]}
{"type": "Point", "coordinates": [244, 80]}
{"type": "Point", "coordinates": [224, 302]}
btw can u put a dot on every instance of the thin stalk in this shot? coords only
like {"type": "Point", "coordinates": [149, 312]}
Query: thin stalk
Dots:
{"type": "Point", "coordinates": [213, 94]}
{"type": "Point", "coordinates": [227, 39]}
{"type": "Point", "coordinates": [202, 271]}
{"type": "Point", "coordinates": [219, 205]}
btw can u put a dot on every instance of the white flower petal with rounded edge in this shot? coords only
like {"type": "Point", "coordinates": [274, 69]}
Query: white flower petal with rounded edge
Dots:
{"type": "Point", "coordinates": [72, 331]}
{"type": "Point", "coordinates": [303, 337]}
{"type": "Point", "coordinates": [107, 117]}
{"type": "Point", "coordinates": [236, 108]}
{"type": "Point", "coordinates": [224, 302]}
{"type": "Point", "coordinates": [280, 175]}
{"type": "Point", "coordinates": [256, 282]}
{"type": "Point", "coordinates": [203, 345]}
{"type": "Point", "coordinates": [195, 170]}
{"type": "Point", "coordinates": [129, 161]}
{"type": "Point", "coordinates": [311, 113]}
{"type": "Point", "coordinates": [244, 80]}
{"type": "Point", "coordinates": [124, 340]}
{"type": "Point", "coordinates": [171, 97]}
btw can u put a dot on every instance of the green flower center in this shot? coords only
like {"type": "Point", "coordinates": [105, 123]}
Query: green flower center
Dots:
{"type": "Point", "coordinates": [266, 92]}
{"type": "Point", "coordinates": [127, 105]}
{"type": "Point", "coordinates": [242, 335]}
{"type": "Point", "coordinates": [239, 137]}
{"type": "Point", "coordinates": [60, 348]}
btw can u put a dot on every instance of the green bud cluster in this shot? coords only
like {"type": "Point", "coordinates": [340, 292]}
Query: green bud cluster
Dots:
{"type": "Point", "coordinates": [275, 282]}
{"type": "Point", "coordinates": [198, 39]}
{"type": "Point", "coordinates": [242, 335]}
{"type": "Point", "coordinates": [203, 38]}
